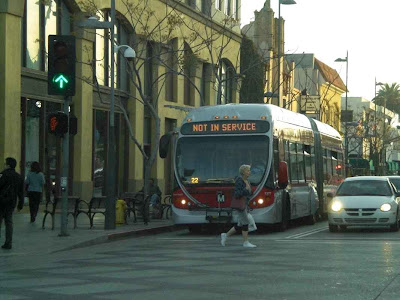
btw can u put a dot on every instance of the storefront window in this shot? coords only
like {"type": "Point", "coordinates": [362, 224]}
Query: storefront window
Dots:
{"type": "Point", "coordinates": [50, 24]}
{"type": "Point", "coordinates": [100, 57]}
{"type": "Point", "coordinates": [33, 54]}
{"type": "Point", "coordinates": [40, 21]}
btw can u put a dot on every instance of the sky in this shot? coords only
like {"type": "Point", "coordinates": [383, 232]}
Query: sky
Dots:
{"type": "Point", "coordinates": [367, 29]}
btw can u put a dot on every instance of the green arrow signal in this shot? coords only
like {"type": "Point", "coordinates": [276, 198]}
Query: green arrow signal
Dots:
{"type": "Point", "coordinates": [60, 79]}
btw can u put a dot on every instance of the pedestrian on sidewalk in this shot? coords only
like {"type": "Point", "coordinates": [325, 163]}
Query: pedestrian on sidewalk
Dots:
{"type": "Point", "coordinates": [242, 188]}
{"type": "Point", "coordinates": [152, 206]}
{"type": "Point", "coordinates": [11, 187]}
{"type": "Point", "coordinates": [34, 186]}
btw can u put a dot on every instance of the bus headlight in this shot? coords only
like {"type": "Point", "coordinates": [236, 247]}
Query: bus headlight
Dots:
{"type": "Point", "coordinates": [336, 206]}
{"type": "Point", "coordinates": [386, 207]}
{"type": "Point", "coordinates": [260, 201]}
{"type": "Point", "coordinates": [183, 201]}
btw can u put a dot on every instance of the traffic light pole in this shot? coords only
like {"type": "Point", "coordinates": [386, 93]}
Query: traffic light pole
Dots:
{"type": "Point", "coordinates": [64, 178]}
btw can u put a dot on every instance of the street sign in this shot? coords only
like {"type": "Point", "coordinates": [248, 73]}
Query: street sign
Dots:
{"type": "Point", "coordinates": [310, 103]}
{"type": "Point", "coordinates": [347, 116]}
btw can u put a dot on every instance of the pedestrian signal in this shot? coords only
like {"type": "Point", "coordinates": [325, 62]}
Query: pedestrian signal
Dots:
{"type": "Point", "coordinates": [58, 123]}
{"type": "Point", "coordinates": [61, 65]}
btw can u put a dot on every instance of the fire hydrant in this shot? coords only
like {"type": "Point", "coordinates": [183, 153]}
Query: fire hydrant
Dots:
{"type": "Point", "coordinates": [120, 211]}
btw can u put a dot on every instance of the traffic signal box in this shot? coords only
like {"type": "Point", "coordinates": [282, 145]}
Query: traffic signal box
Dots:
{"type": "Point", "coordinates": [58, 124]}
{"type": "Point", "coordinates": [61, 65]}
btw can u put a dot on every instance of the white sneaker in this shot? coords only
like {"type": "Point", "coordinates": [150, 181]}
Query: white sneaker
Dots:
{"type": "Point", "coordinates": [223, 239]}
{"type": "Point", "coordinates": [247, 244]}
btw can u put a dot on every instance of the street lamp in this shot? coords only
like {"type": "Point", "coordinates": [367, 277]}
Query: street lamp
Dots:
{"type": "Point", "coordinates": [92, 22]}
{"type": "Point", "coordinates": [376, 125]}
{"type": "Point", "coordinates": [346, 146]}
{"type": "Point", "coordinates": [284, 2]}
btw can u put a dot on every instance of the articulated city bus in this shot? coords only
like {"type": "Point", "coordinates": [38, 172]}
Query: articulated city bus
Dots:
{"type": "Point", "coordinates": [295, 161]}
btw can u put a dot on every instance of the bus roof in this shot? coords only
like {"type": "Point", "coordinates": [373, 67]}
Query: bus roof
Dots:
{"type": "Point", "coordinates": [246, 112]}
{"type": "Point", "coordinates": [325, 129]}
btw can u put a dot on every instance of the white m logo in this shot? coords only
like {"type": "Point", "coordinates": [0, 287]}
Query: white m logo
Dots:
{"type": "Point", "coordinates": [220, 198]}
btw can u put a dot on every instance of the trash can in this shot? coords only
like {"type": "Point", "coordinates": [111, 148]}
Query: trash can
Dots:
{"type": "Point", "coordinates": [120, 211]}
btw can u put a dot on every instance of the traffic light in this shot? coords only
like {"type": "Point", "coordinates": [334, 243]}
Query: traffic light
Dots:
{"type": "Point", "coordinates": [58, 123]}
{"type": "Point", "coordinates": [61, 65]}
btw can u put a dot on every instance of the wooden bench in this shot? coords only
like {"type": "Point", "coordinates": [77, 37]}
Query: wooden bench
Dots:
{"type": "Point", "coordinates": [54, 207]}
{"type": "Point", "coordinates": [97, 205]}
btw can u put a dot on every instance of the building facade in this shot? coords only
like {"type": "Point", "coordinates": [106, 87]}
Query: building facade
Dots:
{"type": "Point", "coordinates": [262, 59]}
{"type": "Point", "coordinates": [186, 56]}
{"type": "Point", "coordinates": [321, 88]}
{"type": "Point", "coordinates": [373, 129]}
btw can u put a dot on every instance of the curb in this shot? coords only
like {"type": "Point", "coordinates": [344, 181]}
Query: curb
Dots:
{"type": "Point", "coordinates": [123, 235]}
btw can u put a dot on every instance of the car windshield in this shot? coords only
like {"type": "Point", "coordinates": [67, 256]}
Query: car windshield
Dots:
{"type": "Point", "coordinates": [364, 188]}
{"type": "Point", "coordinates": [216, 160]}
{"type": "Point", "coordinates": [396, 182]}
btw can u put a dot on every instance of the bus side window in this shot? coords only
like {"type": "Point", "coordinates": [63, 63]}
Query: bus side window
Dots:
{"type": "Point", "coordinates": [293, 163]}
{"type": "Point", "coordinates": [276, 156]}
{"type": "Point", "coordinates": [325, 166]}
{"type": "Point", "coordinates": [313, 163]}
{"type": "Point", "coordinates": [329, 163]}
{"type": "Point", "coordinates": [300, 163]}
{"type": "Point", "coordinates": [307, 162]}
{"type": "Point", "coordinates": [287, 157]}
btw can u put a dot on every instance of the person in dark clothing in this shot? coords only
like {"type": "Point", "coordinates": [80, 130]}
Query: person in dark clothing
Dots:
{"type": "Point", "coordinates": [34, 185]}
{"type": "Point", "coordinates": [154, 192]}
{"type": "Point", "coordinates": [11, 188]}
{"type": "Point", "coordinates": [152, 201]}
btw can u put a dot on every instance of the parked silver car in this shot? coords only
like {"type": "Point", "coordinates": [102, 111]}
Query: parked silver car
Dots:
{"type": "Point", "coordinates": [364, 201]}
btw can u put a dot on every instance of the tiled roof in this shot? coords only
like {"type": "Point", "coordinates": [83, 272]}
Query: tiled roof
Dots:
{"type": "Point", "coordinates": [330, 75]}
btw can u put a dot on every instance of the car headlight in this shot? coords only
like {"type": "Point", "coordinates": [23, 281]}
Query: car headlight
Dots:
{"type": "Point", "coordinates": [386, 207]}
{"type": "Point", "coordinates": [336, 206]}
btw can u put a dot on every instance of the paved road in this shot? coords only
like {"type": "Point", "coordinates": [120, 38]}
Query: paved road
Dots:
{"type": "Point", "coordinates": [305, 262]}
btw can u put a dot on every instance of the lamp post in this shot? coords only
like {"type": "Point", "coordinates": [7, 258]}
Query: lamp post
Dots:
{"type": "Point", "coordinates": [346, 142]}
{"type": "Point", "coordinates": [376, 126]}
{"type": "Point", "coordinates": [284, 2]}
{"type": "Point", "coordinates": [93, 23]}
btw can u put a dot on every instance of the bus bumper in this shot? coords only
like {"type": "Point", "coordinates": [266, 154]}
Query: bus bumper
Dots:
{"type": "Point", "coordinates": [266, 215]}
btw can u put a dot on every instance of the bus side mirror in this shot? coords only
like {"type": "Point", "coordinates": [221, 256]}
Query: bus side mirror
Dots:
{"type": "Point", "coordinates": [283, 178]}
{"type": "Point", "coordinates": [164, 145]}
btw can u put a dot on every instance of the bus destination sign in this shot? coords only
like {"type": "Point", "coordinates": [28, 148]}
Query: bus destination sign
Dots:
{"type": "Point", "coordinates": [225, 127]}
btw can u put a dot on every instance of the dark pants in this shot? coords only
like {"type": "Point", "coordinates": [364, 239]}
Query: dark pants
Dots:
{"type": "Point", "coordinates": [6, 214]}
{"type": "Point", "coordinates": [34, 201]}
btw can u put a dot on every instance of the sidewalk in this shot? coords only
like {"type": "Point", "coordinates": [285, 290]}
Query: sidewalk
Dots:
{"type": "Point", "coordinates": [30, 237]}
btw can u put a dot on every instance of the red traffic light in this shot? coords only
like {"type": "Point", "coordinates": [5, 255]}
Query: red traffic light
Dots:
{"type": "Point", "coordinates": [338, 167]}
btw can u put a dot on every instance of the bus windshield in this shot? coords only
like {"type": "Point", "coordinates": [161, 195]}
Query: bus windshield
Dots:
{"type": "Point", "coordinates": [215, 160]}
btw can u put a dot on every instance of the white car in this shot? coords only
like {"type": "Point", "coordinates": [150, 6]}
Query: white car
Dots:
{"type": "Point", "coordinates": [364, 201]}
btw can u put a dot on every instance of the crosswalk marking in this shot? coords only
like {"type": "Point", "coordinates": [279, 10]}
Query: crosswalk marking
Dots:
{"type": "Point", "coordinates": [306, 233]}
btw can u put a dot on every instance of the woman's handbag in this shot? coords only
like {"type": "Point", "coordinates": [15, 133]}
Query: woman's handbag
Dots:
{"type": "Point", "coordinates": [239, 203]}
{"type": "Point", "coordinates": [252, 223]}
